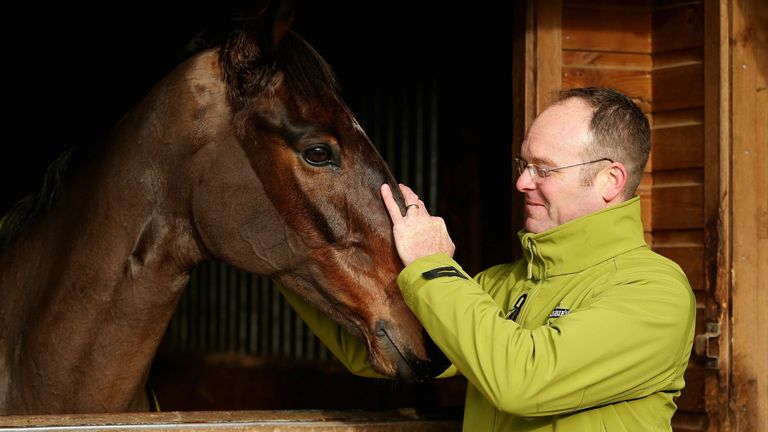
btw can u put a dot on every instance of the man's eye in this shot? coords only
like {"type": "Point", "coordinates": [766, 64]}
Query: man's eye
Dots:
{"type": "Point", "coordinates": [318, 155]}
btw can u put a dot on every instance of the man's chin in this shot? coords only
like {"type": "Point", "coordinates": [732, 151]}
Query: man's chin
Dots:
{"type": "Point", "coordinates": [535, 226]}
{"type": "Point", "coordinates": [531, 227]}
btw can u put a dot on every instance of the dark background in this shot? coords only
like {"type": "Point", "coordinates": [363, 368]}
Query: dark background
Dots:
{"type": "Point", "coordinates": [70, 72]}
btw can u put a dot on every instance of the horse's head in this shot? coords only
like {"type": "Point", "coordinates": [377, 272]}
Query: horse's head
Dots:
{"type": "Point", "coordinates": [290, 189]}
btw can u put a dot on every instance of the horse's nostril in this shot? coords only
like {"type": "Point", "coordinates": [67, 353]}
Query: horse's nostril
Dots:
{"type": "Point", "coordinates": [381, 328]}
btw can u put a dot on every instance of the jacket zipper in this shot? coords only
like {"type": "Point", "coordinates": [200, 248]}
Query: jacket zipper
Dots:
{"type": "Point", "coordinates": [528, 295]}
{"type": "Point", "coordinates": [517, 307]}
{"type": "Point", "coordinates": [532, 249]}
{"type": "Point", "coordinates": [529, 299]}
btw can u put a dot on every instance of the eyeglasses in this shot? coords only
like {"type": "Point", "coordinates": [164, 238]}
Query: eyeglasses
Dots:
{"type": "Point", "coordinates": [537, 171]}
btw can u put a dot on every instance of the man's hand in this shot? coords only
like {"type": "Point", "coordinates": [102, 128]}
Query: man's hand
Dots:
{"type": "Point", "coordinates": [417, 234]}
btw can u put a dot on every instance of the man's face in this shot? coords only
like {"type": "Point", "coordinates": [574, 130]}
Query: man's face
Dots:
{"type": "Point", "coordinates": [555, 139]}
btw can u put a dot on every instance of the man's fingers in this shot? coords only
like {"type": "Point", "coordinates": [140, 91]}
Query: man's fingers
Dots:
{"type": "Point", "coordinates": [409, 195]}
{"type": "Point", "coordinates": [422, 208]}
{"type": "Point", "coordinates": [411, 198]}
{"type": "Point", "coordinates": [392, 208]}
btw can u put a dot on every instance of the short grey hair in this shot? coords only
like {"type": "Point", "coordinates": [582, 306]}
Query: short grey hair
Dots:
{"type": "Point", "coordinates": [620, 132]}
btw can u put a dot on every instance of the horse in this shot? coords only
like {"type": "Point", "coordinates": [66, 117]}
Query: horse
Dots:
{"type": "Point", "coordinates": [244, 153]}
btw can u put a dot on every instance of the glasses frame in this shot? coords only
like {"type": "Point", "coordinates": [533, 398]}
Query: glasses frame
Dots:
{"type": "Point", "coordinates": [537, 171]}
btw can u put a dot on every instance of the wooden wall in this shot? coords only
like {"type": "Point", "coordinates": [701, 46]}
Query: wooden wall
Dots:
{"type": "Point", "coordinates": [698, 69]}
{"type": "Point", "coordinates": [653, 52]}
{"type": "Point", "coordinates": [678, 211]}
{"type": "Point", "coordinates": [610, 46]}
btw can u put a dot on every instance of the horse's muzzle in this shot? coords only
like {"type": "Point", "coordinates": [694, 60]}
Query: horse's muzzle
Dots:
{"type": "Point", "coordinates": [410, 367]}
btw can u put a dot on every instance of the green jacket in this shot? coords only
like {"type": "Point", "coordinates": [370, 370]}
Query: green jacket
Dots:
{"type": "Point", "coordinates": [600, 338]}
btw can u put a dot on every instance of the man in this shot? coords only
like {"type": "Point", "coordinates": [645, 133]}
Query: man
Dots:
{"type": "Point", "coordinates": [590, 330]}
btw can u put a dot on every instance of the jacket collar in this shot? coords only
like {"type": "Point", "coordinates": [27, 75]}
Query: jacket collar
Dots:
{"type": "Point", "coordinates": [583, 242]}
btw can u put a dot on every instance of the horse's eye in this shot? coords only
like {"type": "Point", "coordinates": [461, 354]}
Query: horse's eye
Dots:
{"type": "Point", "coordinates": [318, 155]}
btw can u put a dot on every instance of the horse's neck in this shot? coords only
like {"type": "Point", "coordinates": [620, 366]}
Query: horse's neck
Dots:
{"type": "Point", "coordinates": [95, 282]}
{"type": "Point", "coordinates": [93, 319]}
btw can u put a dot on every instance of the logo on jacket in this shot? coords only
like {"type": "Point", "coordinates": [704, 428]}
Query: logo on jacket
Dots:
{"type": "Point", "coordinates": [558, 312]}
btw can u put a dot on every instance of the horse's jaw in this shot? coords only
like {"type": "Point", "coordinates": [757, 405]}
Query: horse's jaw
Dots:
{"type": "Point", "coordinates": [367, 304]}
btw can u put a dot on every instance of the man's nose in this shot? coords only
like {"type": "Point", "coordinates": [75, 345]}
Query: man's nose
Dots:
{"type": "Point", "coordinates": [525, 181]}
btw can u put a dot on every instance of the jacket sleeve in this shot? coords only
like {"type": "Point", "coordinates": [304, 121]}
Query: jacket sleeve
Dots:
{"type": "Point", "coordinates": [350, 350]}
{"type": "Point", "coordinates": [627, 342]}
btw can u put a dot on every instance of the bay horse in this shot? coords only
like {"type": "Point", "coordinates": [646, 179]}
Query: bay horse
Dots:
{"type": "Point", "coordinates": [244, 153]}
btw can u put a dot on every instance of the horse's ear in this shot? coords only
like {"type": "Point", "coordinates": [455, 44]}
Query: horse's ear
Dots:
{"type": "Point", "coordinates": [269, 24]}
{"type": "Point", "coordinates": [244, 54]}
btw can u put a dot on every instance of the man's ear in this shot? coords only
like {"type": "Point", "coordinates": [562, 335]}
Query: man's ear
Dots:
{"type": "Point", "coordinates": [613, 180]}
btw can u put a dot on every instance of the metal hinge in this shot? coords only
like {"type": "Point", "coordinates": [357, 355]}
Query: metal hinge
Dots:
{"type": "Point", "coordinates": [707, 345]}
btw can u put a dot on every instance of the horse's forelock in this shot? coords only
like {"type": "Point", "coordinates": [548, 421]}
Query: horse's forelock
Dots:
{"type": "Point", "coordinates": [247, 74]}
{"type": "Point", "coordinates": [306, 72]}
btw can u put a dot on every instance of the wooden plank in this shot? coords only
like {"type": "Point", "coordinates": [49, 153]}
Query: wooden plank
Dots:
{"type": "Point", "coordinates": [678, 87]}
{"type": "Point", "coordinates": [678, 147]}
{"type": "Point", "coordinates": [678, 207]}
{"type": "Point", "coordinates": [649, 164]}
{"type": "Point", "coordinates": [678, 58]}
{"type": "Point", "coordinates": [689, 258]}
{"type": "Point", "coordinates": [645, 208]}
{"type": "Point", "coordinates": [679, 238]}
{"type": "Point", "coordinates": [692, 176]}
{"type": "Point", "coordinates": [684, 422]}
{"type": "Point", "coordinates": [644, 191]}
{"type": "Point", "coordinates": [717, 202]}
{"type": "Point", "coordinates": [307, 420]}
{"type": "Point", "coordinates": [523, 72]}
{"type": "Point", "coordinates": [676, 118]}
{"type": "Point", "coordinates": [686, 248]}
{"type": "Point", "coordinates": [647, 180]}
{"type": "Point", "coordinates": [749, 132]}
{"type": "Point", "coordinates": [692, 397]}
{"type": "Point", "coordinates": [642, 5]}
{"type": "Point", "coordinates": [646, 198]}
{"type": "Point", "coordinates": [549, 51]}
{"type": "Point", "coordinates": [523, 97]}
{"type": "Point", "coordinates": [613, 30]}
{"type": "Point", "coordinates": [700, 302]}
{"type": "Point", "coordinates": [607, 60]}
{"type": "Point", "coordinates": [635, 84]}
{"type": "Point", "coordinates": [665, 4]}
{"type": "Point", "coordinates": [676, 28]}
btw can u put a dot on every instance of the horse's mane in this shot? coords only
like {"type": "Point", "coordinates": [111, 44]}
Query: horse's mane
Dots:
{"type": "Point", "coordinates": [248, 71]}
{"type": "Point", "coordinates": [29, 208]}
